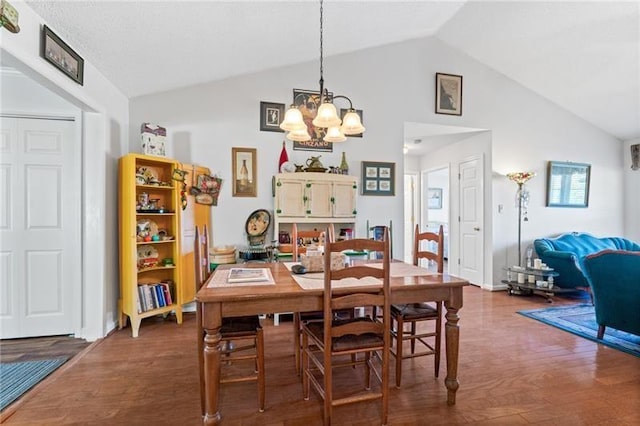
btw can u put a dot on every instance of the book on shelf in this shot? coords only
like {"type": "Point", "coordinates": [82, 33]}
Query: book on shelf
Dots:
{"type": "Point", "coordinates": [243, 275]}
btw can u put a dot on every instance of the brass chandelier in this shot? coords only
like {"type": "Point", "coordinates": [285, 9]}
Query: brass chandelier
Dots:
{"type": "Point", "coordinates": [326, 116]}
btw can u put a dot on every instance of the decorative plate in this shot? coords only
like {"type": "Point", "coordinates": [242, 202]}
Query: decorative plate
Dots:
{"type": "Point", "coordinates": [149, 174]}
{"type": "Point", "coordinates": [258, 223]}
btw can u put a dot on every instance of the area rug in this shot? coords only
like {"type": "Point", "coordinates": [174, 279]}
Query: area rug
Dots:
{"type": "Point", "coordinates": [18, 377]}
{"type": "Point", "coordinates": [581, 320]}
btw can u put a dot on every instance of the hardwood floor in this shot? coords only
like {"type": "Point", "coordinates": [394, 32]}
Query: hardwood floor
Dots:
{"type": "Point", "coordinates": [37, 348]}
{"type": "Point", "coordinates": [513, 370]}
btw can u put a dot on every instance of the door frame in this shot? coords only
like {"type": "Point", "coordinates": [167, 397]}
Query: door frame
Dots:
{"type": "Point", "coordinates": [92, 125]}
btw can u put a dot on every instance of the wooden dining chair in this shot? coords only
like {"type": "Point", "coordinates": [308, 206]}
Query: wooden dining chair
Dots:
{"type": "Point", "coordinates": [300, 317]}
{"type": "Point", "coordinates": [326, 343]}
{"type": "Point", "coordinates": [414, 313]}
{"type": "Point", "coordinates": [241, 339]}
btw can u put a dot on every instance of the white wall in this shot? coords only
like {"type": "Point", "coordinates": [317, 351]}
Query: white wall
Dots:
{"type": "Point", "coordinates": [631, 194]}
{"type": "Point", "coordinates": [394, 84]}
{"type": "Point", "coordinates": [105, 122]}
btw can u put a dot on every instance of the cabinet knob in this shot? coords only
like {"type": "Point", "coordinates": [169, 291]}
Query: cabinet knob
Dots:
{"type": "Point", "coordinates": [355, 212]}
{"type": "Point", "coordinates": [278, 211]}
{"type": "Point", "coordinates": [476, 228]}
{"type": "Point", "coordinates": [308, 185]}
{"type": "Point", "coordinates": [333, 200]}
{"type": "Point", "coordinates": [279, 183]}
{"type": "Point", "coordinates": [308, 211]}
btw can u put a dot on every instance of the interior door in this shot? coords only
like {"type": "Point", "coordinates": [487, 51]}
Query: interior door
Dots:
{"type": "Point", "coordinates": [40, 228]}
{"type": "Point", "coordinates": [471, 220]}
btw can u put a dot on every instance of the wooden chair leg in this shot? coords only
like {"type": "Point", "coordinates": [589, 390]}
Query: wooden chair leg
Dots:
{"type": "Point", "coordinates": [305, 367]}
{"type": "Point", "coordinates": [413, 333]}
{"type": "Point", "coordinates": [399, 339]}
{"type": "Point", "coordinates": [296, 341]}
{"type": "Point", "coordinates": [438, 339]}
{"type": "Point", "coordinates": [260, 359]}
{"type": "Point", "coordinates": [601, 331]}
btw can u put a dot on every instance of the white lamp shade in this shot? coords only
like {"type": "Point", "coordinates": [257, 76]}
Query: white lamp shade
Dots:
{"type": "Point", "coordinates": [299, 135]}
{"type": "Point", "coordinates": [351, 124]}
{"type": "Point", "coordinates": [334, 135]}
{"type": "Point", "coordinates": [327, 116]}
{"type": "Point", "coordinates": [293, 120]}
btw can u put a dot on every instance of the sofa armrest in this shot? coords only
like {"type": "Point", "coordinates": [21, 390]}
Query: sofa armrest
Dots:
{"type": "Point", "coordinates": [568, 266]}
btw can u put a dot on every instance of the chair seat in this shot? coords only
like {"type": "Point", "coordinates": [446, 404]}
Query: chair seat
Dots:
{"type": "Point", "coordinates": [346, 343]}
{"type": "Point", "coordinates": [240, 326]}
{"type": "Point", "coordinates": [414, 311]}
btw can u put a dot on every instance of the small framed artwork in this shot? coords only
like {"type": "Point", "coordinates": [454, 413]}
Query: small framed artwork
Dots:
{"type": "Point", "coordinates": [58, 53]}
{"type": "Point", "coordinates": [378, 178]}
{"type": "Point", "coordinates": [448, 94]}
{"type": "Point", "coordinates": [434, 198]}
{"type": "Point", "coordinates": [244, 165]}
{"type": "Point", "coordinates": [343, 111]}
{"type": "Point", "coordinates": [568, 184]}
{"type": "Point", "coordinates": [271, 115]}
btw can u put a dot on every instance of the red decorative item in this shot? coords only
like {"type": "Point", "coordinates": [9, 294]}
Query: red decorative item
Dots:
{"type": "Point", "coordinates": [284, 157]}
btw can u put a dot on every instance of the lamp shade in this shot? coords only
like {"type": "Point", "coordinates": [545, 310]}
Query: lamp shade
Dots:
{"type": "Point", "coordinates": [334, 135]}
{"type": "Point", "coordinates": [293, 120]}
{"type": "Point", "coordinates": [351, 124]}
{"type": "Point", "coordinates": [299, 135]}
{"type": "Point", "coordinates": [327, 116]}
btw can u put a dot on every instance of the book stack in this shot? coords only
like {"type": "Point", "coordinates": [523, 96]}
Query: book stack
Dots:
{"type": "Point", "coordinates": [155, 295]}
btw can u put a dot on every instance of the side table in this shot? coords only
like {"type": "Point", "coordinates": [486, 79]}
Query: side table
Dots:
{"type": "Point", "coordinates": [542, 284]}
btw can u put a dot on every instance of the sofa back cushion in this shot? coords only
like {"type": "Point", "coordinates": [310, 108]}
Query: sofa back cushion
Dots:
{"type": "Point", "coordinates": [583, 244]}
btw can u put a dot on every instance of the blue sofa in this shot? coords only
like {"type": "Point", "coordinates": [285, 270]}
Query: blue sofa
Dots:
{"type": "Point", "coordinates": [567, 252]}
{"type": "Point", "coordinates": [614, 276]}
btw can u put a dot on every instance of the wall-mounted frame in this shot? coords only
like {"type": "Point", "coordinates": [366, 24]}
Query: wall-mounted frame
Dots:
{"type": "Point", "coordinates": [271, 115]}
{"type": "Point", "coordinates": [568, 184]}
{"type": "Point", "coordinates": [56, 51]}
{"type": "Point", "coordinates": [245, 177]}
{"type": "Point", "coordinates": [448, 94]}
{"type": "Point", "coordinates": [343, 111]}
{"type": "Point", "coordinates": [307, 101]}
{"type": "Point", "coordinates": [434, 198]}
{"type": "Point", "coordinates": [378, 178]}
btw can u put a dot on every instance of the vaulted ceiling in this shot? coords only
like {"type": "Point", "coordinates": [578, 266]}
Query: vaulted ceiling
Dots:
{"type": "Point", "coordinates": [583, 56]}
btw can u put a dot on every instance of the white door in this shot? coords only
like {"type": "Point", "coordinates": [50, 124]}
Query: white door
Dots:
{"type": "Point", "coordinates": [40, 223]}
{"type": "Point", "coordinates": [471, 263]}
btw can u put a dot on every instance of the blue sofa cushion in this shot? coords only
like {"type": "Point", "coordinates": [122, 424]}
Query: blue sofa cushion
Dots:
{"type": "Point", "coordinates": [567, 252]}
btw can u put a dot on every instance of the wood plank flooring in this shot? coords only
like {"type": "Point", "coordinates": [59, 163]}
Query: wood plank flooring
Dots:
{"type": "Point", "coordinates": [38, 348]}
{"type": "Point", "coordinates": [513, 370]}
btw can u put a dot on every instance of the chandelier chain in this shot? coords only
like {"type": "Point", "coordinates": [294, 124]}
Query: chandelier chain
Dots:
{"type": "Point", "coordinates": [321, 50]}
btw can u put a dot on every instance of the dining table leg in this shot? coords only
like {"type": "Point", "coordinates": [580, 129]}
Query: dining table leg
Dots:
{"type": "Point", "coordinates": [210, 366]}
{"type": "Point", "coordinates": [452, 336]}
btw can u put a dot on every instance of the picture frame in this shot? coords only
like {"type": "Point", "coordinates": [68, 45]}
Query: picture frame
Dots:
{"type": "Point", "coordinates": [343, 111]}
{"type": "Point", "coordinates": [271, 115]}
{"type": "Point", "coordinates": [244, 172]}
{"type": "Point", "coordinates": [378, 178]}
{"type": "Point", "coordinates": [61, 56]}
{"type": "Point", "coordinates": [448, 94]}
{"type": "Point", "coordinates": [308, 101]}
{"type": "Point", "coordinates": [568, 184]}
{"type": "Point", "coordinates": [434, 198]}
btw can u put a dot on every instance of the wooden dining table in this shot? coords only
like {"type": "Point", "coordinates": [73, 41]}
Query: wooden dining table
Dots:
{"type": "Point", "coordinates": [216, 302]}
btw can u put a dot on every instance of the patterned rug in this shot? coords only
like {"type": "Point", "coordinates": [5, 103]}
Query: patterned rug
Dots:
{"type": "Point", "coordinates": [18, 377]}
{"type": "Point", "coordinates": [581, 320]}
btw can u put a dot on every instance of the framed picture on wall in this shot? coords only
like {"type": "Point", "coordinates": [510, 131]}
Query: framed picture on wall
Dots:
{"type": "Point", "coordinates": [448, 94]}
{"type": "Point", "coordinates": [568, 184]}
{"type": "Point", "coordinates": [61, 56]}
{"type": "Point", "coordinates": [271, 115]}
{"type": "Point", "coordinates": [243, 161]}
{"type": "Point", "coordinates": [378, 178]}
{"type": "Point", "coordinates": [434, 198]}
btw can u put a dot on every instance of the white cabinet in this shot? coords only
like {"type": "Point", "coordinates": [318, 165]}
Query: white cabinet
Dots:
{"type": "Point", "coordinates": [314, 198]}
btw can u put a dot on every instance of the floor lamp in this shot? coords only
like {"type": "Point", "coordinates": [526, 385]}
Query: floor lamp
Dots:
{"type": "Point", "coordinates": [522, 201]}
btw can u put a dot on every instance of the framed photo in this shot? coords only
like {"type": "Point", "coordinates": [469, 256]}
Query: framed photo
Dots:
{"type": "Point", "coordinates": [58, 53]}
{"type": "Point", "coordinates": [448, 94]}
{"type": "Point", "coordinates": [434, 198]}
{"type": "Point", "coordinates": [343, 111]}
{"type": "Point", "coordinates": [378, 178]}
{"type": "Point", "coordinates": [244, 162]}
{"type": "Point", "coordinates": [307, 102]}
{"type": "Point", "coordinates": [271, 115]}
{"type": "Point", "coordinates": [568, 184]}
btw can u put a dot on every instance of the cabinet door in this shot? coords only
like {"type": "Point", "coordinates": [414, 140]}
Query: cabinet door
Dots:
{"type": "Point", "coordinates": [319, 199]}
{"type": "Point", "coordinates": [344, 199]}
{"type": "Point", "coordinates": [290, 201]}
